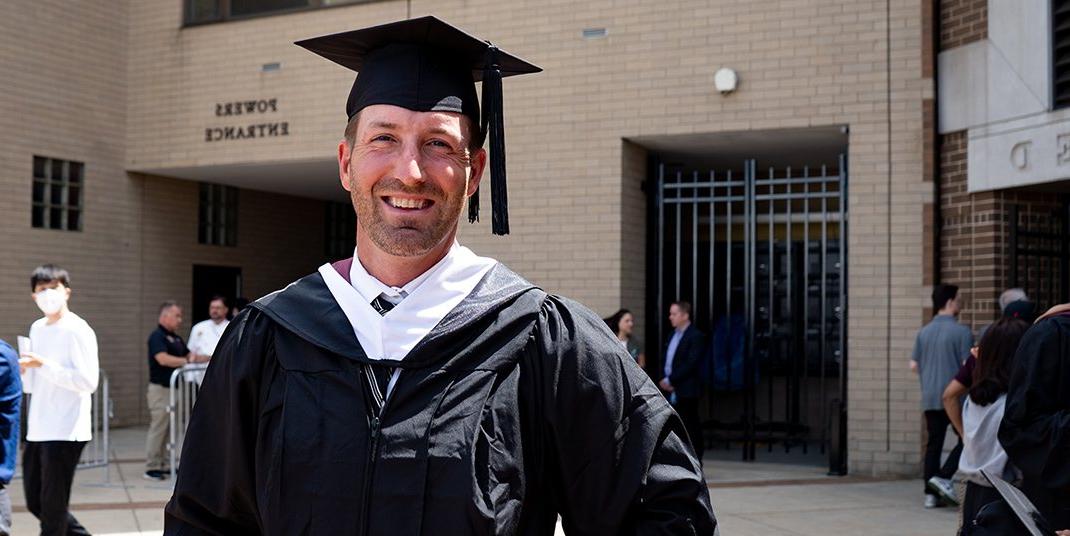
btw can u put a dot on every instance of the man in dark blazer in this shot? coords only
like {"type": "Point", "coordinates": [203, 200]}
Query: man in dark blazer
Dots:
{"type": "Point", "coordinates": [682, 382]}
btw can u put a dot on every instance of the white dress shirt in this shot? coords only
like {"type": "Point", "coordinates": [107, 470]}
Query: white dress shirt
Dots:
{"type": "Point", "coordinates": [427, 300]}
{"type": "Point", "coordinates": [670, 352]}
{"type": "Point", "coordinates": [205, 335]}
{"type": "Point", "coordinates": [61, 405]}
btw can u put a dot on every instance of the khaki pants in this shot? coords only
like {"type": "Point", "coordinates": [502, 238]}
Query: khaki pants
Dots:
{"type": "Point", "coordinates": [158, 398]}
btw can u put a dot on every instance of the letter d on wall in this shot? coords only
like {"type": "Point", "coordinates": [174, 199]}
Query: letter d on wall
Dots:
{"type": "Point", "coordinates": [1020, 155]}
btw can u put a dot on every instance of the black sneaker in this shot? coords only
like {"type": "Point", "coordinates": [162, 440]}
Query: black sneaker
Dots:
{"type": "Point", "coordinates": [155, 474]}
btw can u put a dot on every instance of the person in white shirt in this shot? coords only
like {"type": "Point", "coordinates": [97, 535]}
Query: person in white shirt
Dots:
{"type": "Point", "coordinates": [205, 334]}
{"type": "Point", "coordinates": [60, 372]}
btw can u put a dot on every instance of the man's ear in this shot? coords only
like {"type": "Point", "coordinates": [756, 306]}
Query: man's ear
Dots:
{"type": "Point", "coordinates": [478, 164]}
{"type": "Point", "coordinates": [345, 153]}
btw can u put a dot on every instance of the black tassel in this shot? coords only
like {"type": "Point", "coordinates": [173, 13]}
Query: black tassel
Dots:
{"type": "Point", "coordinates": [493, 125]}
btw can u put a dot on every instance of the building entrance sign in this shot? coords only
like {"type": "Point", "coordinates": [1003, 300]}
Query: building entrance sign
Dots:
{"type": "Point", "coordinates": [247, 107]}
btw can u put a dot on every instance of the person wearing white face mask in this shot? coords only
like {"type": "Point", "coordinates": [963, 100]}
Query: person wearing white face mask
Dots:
{"type": "Point", "coordinates": [60, 372]}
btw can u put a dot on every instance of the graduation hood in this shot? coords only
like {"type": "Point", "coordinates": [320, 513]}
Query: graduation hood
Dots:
{"type": "Point", "coordinates": [307, 308]}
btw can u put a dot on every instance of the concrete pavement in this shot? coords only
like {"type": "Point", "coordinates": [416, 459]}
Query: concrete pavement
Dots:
{"type": "Point", "coordinates": [750, 499]}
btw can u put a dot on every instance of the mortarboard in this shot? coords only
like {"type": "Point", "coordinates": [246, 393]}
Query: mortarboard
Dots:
{"type": "Point", "coordinates": [427, 65]}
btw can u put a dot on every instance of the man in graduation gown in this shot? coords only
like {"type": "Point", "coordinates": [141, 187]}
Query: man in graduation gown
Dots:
{"type": "Point", "coordinates": [418, 388]}
{"type": "Point", "coordinates": [1035, 430]}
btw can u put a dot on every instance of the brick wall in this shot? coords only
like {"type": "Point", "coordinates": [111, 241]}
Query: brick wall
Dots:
{"type": "Point", "coordinates": [64, 97]}
{"type": "Point", "coordinates": [975, 240]}
{"type": "Point", "coordinates": [962, 22]}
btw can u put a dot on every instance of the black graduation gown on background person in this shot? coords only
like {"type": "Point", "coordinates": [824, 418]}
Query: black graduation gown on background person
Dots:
{"type": "Point", "coordinates": [518, 406]}
{"type": "Point", "coordinates": [1035, 430]}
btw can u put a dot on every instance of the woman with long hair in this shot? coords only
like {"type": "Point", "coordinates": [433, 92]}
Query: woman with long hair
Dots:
{"type": "Point", "coordinates": [622, 324]}
{"type": "Point", "coordinates": [982, 413]}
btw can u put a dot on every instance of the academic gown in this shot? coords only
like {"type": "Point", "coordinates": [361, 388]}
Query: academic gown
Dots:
{"type": "Point", "coordinates": [518, 406]}
{"type": "Point", "coordinates": [1035, 430]}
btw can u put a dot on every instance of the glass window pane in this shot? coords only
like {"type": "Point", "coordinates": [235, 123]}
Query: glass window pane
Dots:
{"type": "Point", "coordinates": [202, 10]}
{"type": "Point", "coordinates": [57, 194]}
{"type": "Point", "coordinates": [57, 170]}
{"type": "Point", "coordinates": [38, 216]}
{"type": "Point", "coordinates": [250, 7]}
{"type": "Point", "coordinates": [74, 174]}
{"type": "Point", "coordinates": [74, 196]}
{"type": "Point", "coordinates": [55, 218]}
{"type": "Point", "coordinates": [74, 222]}
{"type": "Point", "coordinates": [39, 165]}
{"type": "Point", "coordinates": [38, 191]}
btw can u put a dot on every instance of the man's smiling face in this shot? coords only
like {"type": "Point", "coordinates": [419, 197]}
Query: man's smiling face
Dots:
{"type": "Point", "coordinates": [408, 174]}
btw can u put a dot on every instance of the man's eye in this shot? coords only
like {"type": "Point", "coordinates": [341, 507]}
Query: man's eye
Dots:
{"type": "Point", "coordinates": [382, 137]}
{"type": "Point", "coordinates": [440, 143]}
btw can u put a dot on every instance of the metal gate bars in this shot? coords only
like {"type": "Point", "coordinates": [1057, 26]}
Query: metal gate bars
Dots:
{"type": "Point", "coordinates": [760, 255]}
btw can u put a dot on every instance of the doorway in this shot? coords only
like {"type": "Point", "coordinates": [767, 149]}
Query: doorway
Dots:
{"type": "Point", "coordinates": [758, 248]}
{"type": "Point", "coordinates": [211, 281]}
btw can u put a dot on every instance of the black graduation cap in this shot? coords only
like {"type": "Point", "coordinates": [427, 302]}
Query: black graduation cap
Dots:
{"type": "Point", "coordinates": [427, 65]}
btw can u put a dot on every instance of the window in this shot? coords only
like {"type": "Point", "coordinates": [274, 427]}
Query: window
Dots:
{"type": "Point", "coordinates": [1060, 53]}
{"type": "Point", "coordinates": [218, 215]}
{"type": "Point", "coordinates": [57, 194]}
{"type": "Point", "coordinates": [341, 228]}
{"type": "Point", "coordinates": [202, 11]}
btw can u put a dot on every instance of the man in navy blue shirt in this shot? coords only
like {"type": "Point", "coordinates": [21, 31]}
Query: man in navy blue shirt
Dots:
{"type": "Point", "coordinates": [167, 353]}
{"type": "Point", "coordinates": [10, 405]}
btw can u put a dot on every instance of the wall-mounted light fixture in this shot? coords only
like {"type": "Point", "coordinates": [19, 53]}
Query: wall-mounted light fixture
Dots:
{"type": "Point", "coordinates": [725, 80]}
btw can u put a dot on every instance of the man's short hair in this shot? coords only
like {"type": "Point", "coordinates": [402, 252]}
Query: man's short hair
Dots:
{"type": "Point", "coordinates": [943, 294]}
{"type": "Point", "coordinates": [218, 297]}
{"type": "Point", "coordinates": [685, 307]}
{"type": "Point", "coordinates": [167, 304]}
{"type": "Point", "coordinates": [475, 140]}
{"type": "Point", "coordinates": [1010, 296]}
{"type": "Point", "coordinates": [47, 273]}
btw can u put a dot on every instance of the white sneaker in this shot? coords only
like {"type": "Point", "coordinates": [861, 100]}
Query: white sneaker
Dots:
{"type": "Point", "coordinates": [945, 488]}
{"type": "Point", "coordinates": [931, 501]}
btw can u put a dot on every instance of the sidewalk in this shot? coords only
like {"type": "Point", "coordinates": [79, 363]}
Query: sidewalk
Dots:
{"type": "Point", "coordinates": [750, 499]}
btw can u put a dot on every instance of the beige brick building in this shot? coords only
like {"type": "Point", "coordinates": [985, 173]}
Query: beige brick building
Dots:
{"type": "Point", "coordinates": [159, 102]}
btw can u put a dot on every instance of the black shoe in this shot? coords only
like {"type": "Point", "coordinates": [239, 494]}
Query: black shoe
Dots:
{"type": "Point", "coordinates": [155, 474]}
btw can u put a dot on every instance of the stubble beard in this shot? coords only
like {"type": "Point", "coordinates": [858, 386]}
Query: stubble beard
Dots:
{"type": "Point", "coordinates": [407, 237]}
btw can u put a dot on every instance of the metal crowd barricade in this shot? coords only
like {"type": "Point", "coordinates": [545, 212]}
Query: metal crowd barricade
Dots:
{"type": "Point", "coordinates": [95, 453]}
{"type": "Point", "coordinates": [185, 384]}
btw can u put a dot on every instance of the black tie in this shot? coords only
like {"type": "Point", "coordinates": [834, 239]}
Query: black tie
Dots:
{"type": "Point", "coordinates": [380, 373]}
{"type": "Point", "coordinates": [382, 305]}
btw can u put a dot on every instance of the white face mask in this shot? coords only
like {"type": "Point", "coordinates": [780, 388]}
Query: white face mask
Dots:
{"type": "Point", "coordinates": [50, 300]}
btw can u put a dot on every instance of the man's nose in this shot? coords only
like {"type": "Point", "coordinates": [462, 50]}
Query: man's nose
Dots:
{"type": "Point", "coordinates": [408, 167]}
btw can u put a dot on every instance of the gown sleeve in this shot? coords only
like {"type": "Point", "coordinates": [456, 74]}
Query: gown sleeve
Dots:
{"type": "Point", "coordinates": [618, 456]}
{"type": "Point", "coordinates": [215, 492]}
{"type": "Point", "coordinates": [1035, 430]}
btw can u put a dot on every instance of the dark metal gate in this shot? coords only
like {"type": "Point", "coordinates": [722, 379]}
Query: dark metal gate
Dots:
{"type": "Point", "coordinates": [1040, 253]}
{"type": "Point", "coordinates": [760, 257]}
